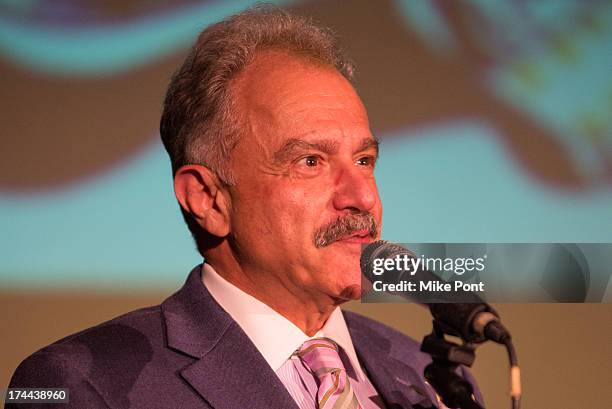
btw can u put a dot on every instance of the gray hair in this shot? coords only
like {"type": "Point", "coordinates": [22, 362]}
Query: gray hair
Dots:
{"type": "Point", "coordinates": [199, 124]}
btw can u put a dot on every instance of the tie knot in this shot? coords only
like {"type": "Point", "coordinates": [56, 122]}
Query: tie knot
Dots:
{"type": "Point", "coordinates": [321, 356]}
{"type": "Point", "coordinates": [334, 391]}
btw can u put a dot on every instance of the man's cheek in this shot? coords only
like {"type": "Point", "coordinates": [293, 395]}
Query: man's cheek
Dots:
{"type": "Point", "coordinates": [295, 195]}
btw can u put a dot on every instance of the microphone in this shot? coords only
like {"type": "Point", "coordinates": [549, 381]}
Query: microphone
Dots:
{"type": "Point", "coordinates": [463, 314]}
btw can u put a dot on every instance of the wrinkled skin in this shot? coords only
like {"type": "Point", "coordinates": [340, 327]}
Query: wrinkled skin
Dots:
{"type": "Point", "coordinates": [306, 161]}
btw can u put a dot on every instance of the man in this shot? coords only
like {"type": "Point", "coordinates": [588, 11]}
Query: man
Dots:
{"type": "Point", "coordinates": [273, 165]}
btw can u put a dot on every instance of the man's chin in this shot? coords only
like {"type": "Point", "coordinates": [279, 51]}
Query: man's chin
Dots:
{"type": "Point", "coordinates": [342, 270]}
{"type": "Point", "coordinates": [350, 293]}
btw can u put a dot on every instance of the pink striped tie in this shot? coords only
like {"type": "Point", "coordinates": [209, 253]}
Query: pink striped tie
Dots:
{"type": "Point", "coordinates": [320, 355]}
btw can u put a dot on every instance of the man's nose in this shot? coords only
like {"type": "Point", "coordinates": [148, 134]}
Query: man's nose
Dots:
{"type": "Point", "coordinates": [355, 189]}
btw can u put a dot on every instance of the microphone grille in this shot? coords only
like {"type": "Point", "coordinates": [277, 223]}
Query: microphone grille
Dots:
{"type": "Point", "coordinates": [380, 249]}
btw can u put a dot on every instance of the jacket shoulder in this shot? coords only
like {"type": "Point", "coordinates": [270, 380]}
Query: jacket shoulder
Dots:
{"type": "Point", "coordinates": [117, 347]}
{"type": "Point", "coordinates": [123, 335]}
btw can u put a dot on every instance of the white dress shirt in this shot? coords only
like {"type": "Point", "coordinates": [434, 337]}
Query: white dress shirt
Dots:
{"type": "Point", "coordinates": [277, 339]}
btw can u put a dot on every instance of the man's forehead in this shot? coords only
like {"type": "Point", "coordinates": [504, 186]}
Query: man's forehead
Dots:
{"type": "Point", "coordinates": [275, 79]}
{"type": "Point", "coordinates": [284, 99]}
{"type": "Point", "coordinates": [270, 63]}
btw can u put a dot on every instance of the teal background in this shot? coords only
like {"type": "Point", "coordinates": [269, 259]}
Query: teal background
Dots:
{"type": "Point", "coordinates": [447, 181]}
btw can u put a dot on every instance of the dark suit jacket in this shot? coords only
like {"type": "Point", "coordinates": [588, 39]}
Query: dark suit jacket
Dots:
{"type": "Point", "coordinates": [189, 353]}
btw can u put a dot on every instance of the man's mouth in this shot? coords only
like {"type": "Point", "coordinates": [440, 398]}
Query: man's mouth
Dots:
{"type": "Point", "coordinates": [360, 236]}
{"type": "Point", "coordinates": [354, 228]}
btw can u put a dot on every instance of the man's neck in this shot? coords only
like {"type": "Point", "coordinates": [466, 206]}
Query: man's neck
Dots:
{"type": "Point", "coordinates": [307, 311]}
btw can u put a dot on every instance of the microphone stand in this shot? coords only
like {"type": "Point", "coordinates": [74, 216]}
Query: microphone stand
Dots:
{"type": "Point", "coordinates": [441, 374]}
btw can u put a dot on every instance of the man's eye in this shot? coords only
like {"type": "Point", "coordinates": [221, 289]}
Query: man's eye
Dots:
{"type": "Point", "coordinates": [365, 161]}
{"type": "Point", "coordinates": [310, 161]}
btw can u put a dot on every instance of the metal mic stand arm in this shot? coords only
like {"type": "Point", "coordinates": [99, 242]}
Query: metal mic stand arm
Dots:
{"type": "Point", "coordinates": [441, 374]}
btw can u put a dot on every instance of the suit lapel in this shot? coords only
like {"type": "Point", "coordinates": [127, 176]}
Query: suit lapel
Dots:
{"type": "Point", "coordinates": [229, 372]}
{"type": "Point", "coordinates": [399, 384]}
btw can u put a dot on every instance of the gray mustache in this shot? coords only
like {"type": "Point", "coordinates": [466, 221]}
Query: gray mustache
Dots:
{"type": "Point", "coordinates": [345, 226]}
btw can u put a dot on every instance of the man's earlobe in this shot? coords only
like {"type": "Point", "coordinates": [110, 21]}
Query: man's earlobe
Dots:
{"type": "Point", "coordinates": [200, 193]}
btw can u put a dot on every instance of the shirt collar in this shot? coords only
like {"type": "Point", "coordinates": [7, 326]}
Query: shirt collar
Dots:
{"type": "Point", "coordinates": [275, 336]}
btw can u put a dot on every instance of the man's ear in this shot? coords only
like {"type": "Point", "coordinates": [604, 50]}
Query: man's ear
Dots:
{"type": "Point", "coordinates": [200, 193]}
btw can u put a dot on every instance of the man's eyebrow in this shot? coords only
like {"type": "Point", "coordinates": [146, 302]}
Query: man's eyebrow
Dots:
{"type": "Point", "coordinates": [368, 143]}
{"type": "Point", "coordinates": [292, 145]}
{"type": "Point", "coordinates": [286, 152]}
